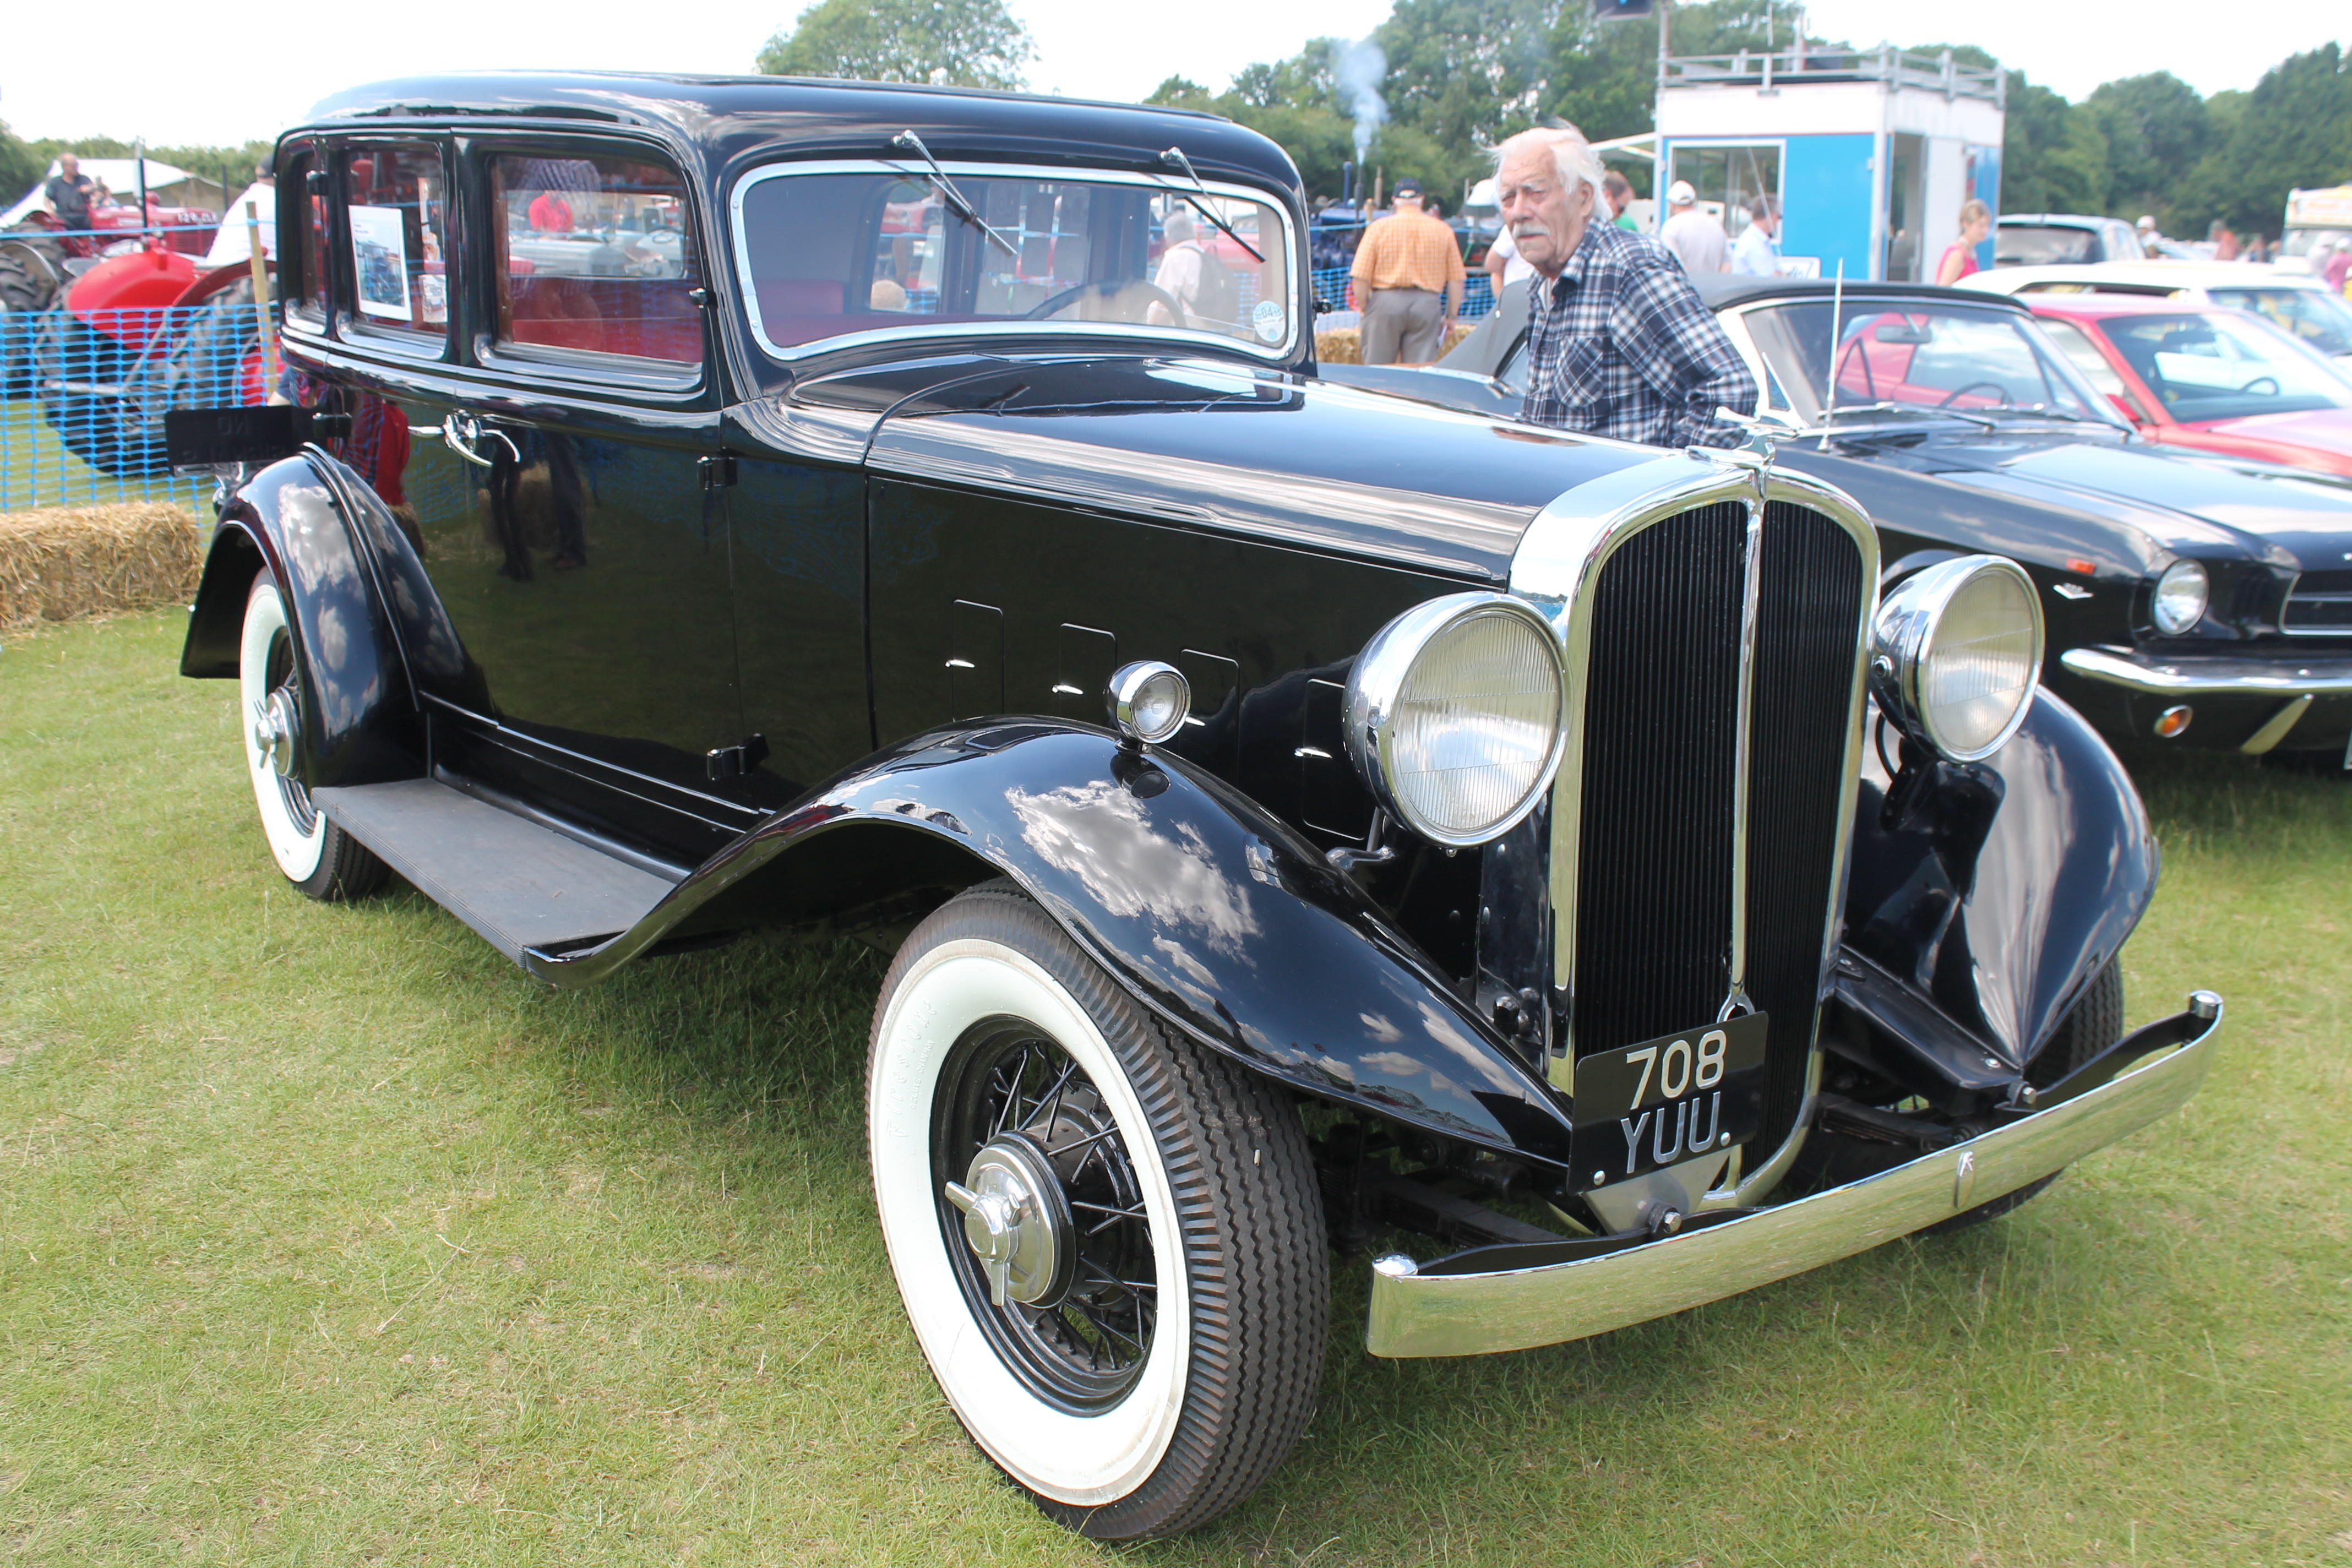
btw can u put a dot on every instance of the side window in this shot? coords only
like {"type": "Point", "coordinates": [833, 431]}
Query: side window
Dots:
{"type": "Point", "coordinates": [396, 215]}
{"type": "Point", "coordinates": [306, 204]}
{"type": "Point", "coordinates": [593, 255]}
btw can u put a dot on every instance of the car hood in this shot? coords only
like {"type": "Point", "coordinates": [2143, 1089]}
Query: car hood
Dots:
{"type": "Point", "coordinates": [2182, 506]}
{"type": "Point", "coordinates": [2328, 429]}
{"type": "Point", "coordinates": [1231, 448]}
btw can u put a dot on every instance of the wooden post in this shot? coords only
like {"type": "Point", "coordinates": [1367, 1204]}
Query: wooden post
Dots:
{"type": "Point", "coordinates": [261, 300]}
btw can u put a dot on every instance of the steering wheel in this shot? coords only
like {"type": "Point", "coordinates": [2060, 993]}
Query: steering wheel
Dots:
{"type": "Point", "coordinates": [1107, 290]}
{"type": "Point", "coordinates": [2270, 381]}
{"type": "Point", "coordinates": [1998, 389]}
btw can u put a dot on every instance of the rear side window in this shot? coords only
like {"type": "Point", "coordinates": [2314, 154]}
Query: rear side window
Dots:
{"type": "Point", "coordinates": [396, 212]}
{"type": "Point", "coordinates": [593, 255]}
{"type": "Point", "coordinates": [2019, 245]}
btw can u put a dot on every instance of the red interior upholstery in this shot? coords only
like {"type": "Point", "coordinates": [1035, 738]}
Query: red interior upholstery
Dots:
{"type": "Point", "coordinates": [647, 319]}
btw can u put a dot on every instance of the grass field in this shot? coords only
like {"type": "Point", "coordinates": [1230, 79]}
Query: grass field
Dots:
{"type": "Point", "coordinates": [37, 469]}
{"type": "Point", "coordinates": [326, 1236]}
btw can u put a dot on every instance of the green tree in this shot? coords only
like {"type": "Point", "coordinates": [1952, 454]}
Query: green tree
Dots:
{"type": "Point", "coordinates": [2295, 128]}
{"type": "Point", "coordinates": [1460, 71]}
{"type": "Point", "coordinates": [945, 43]}
{"type": "Point", "coordinates": [20, 166]}
{"type": "Point", "coordinates": [2054, 156]}
{"type": "Point", "coordinates": [2155, 129]}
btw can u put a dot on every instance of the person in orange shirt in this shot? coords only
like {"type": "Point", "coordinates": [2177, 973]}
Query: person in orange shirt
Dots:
{"type": "Point", "coordinates": [1409, 278]}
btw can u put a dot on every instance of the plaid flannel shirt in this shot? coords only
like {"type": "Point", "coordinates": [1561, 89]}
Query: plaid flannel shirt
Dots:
{"type": "Point", "coordinates": [1620, 344]}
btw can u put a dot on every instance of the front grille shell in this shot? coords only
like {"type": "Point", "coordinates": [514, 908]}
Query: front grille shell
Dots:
{"type": "Point", "coordinates": [1710, 573]}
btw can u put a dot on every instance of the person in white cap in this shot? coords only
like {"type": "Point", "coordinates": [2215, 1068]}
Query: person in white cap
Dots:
{"type": "Point", "coordinates": [2145, 230]}
{"type": "Point", "coordinates": [1697, 240]}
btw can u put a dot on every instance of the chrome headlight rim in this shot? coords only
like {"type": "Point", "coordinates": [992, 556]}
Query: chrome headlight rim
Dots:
{"type": "Point", "coordinates": [1904, 637]}
{"type": "Point", "coordinates": [1378, 678]}
{"type": "Point", "coordinates": [1131, 695]}
{"type": "Point", "coordinates": [2182, 570]}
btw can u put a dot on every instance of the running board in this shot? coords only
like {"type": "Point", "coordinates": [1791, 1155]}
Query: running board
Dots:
{"type": "Point", "coordinates": [519, 884]}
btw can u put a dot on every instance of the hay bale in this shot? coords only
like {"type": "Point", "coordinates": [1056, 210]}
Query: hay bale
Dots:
{"type": "Point", "coordinates": [64, 563]}
{"type": "Point", "coordinates": [1345, 345]}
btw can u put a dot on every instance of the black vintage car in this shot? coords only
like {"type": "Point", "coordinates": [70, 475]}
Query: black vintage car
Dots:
{"type": "Point", "coordinates": [1302, 817]}
{"type": "Point", "coordinates": [2191, 600]}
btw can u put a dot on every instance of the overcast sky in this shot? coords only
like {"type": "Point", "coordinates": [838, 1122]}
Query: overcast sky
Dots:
{"type": "Point", "coordinates": [223, 78]}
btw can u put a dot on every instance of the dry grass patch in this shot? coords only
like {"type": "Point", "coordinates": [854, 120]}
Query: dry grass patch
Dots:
{"type": "Point", "coordinates": [62, 564]}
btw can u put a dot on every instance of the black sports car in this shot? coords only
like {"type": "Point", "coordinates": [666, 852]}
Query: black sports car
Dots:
{"type": "Point", "coordinates": [2188, 599]}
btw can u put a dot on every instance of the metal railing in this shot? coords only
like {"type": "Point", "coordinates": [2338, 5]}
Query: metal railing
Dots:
{"type": "Point", "coordinates": [1936, 73]}
{"type": "Point", "coordinates": [82, 398]}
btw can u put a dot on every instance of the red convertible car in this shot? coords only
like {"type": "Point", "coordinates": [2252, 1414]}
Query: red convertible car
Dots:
{"type": "Point", "coordinates": [2218, 381]}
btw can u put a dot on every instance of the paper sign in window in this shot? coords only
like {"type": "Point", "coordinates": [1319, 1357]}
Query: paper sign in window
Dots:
{"type": "Point", "coordinates": [380, 257]}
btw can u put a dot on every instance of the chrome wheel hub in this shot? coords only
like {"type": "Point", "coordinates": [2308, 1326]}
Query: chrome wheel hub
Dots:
{"type": "Point", "coordinates": [274, 727]}
{"type": "Point", "coordinates": [1017, 1221]}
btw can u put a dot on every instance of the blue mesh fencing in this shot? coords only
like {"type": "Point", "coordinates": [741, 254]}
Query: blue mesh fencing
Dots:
{"type": "Point", "coordinates": [1477, 291]}
{"type": "Point", "coordinates": [82, 397]}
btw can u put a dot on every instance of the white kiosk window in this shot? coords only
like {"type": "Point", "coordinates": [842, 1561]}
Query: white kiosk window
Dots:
{"type": "Point", "coordinates": [1728, 176]}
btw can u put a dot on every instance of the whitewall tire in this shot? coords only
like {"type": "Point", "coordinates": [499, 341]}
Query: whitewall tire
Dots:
{"type": "Point", "coordinates": [319, 857]}
{"type": "Point", "coordinates": [1108, 1238]}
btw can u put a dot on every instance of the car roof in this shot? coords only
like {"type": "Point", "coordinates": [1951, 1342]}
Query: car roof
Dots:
{"type": "Point", "coordinates": [1726, 290]}
{"type": "Point", "coordinates": [2149, 274]}
{"type": "Point", "coordinates": [2119, 305]}
{"type": "Point", "coordinates": [2058, 220]}
{"type": "Point", "coordinates": [731, 115]}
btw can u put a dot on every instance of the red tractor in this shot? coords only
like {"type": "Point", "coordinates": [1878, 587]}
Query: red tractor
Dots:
{"type": "Point", "coordinates": [37, 258]}
{"type": "Point", "coordinates": [140, 334]}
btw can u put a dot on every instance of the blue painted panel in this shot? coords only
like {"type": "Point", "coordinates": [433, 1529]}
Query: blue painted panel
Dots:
{"type": "Point", "coordinates": [1826, 194]}
{"type": "Point", "coordinates": [1984, 184]}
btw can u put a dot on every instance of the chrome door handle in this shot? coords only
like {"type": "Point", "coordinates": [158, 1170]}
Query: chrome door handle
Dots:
{"type": "Point", "coordinates": [462, 432]}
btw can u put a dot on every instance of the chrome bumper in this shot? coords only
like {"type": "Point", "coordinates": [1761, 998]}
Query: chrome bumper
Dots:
{"type": "Point", "coordinates": [2200, 676]}
{"type": "Point", "coordinates": [1418, 1314]}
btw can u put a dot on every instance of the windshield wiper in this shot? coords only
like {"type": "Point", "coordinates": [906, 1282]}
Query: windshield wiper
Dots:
{"type": "Point", "coordinates": [1174, 158]}
{"type": "Point", "coordinates": [2044, 411]}
{"type": "Point", "coordinates": [963, 208]}
{"type": "Point", "coordinates": [1830, 417]}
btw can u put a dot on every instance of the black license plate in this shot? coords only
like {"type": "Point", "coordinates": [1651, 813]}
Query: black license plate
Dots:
{"type": "Point", "coordinates": [1674, 1097]}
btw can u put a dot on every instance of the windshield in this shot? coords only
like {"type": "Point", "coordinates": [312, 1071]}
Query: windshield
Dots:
{"type": "Point", "coordinates": [2304, 241]}
{"type": "Point", "coordinates": [830, 253]}
{"type": "Point", "coordinates": [1938, 356]}
{"type": "Point", "coordinates": [2018, 246]}
{"type": "Point", "coordinates": [2319, 318]}
{"type": "Point", "coordinates": [2212, 365]}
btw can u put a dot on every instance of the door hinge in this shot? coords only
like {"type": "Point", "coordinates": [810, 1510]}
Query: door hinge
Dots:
{"type": "Point", "coordinates": [718, 470]}
{"type": "Point", "coordinates": [734, 761]}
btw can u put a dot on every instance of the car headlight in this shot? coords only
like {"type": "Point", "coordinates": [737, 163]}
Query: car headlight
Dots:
{"type": "Point", "coordinates": [1455, 715]}
{"type": "Point", "coordinates": [2180, 596]}
{"type": "Point", "coordinates": [1957, 649]}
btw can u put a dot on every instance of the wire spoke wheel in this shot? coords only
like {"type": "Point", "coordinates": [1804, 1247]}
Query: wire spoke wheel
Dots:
{"type": "Point", "coordinates": [1083, 1338]}
{"type": "Point", "coordinates": [1108, 1238]}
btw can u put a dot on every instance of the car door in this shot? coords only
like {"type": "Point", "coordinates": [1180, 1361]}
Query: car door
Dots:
{"type": "Point", "coordinates": [561, 500]}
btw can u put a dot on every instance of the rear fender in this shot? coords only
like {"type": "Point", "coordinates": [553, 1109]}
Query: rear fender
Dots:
{"type": "Point", "coordinates": [1214, 915]}
{"type": "Point", "coordinates": [2000, 889]}
{"type": "Point", "coordinates": [360, 724]}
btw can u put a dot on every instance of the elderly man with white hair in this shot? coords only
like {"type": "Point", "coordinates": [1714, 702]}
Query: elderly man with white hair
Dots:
{"type": "Point", "coordinates": [1619, 343]}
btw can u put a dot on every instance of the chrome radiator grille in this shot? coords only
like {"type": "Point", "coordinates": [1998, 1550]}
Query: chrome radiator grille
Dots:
{"type": "Point", "coordinates": [2320, 605]}
{"type": "Point", "coordinates": [1658, 917]}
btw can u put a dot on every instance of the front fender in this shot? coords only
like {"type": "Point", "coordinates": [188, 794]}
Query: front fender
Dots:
{"type": "Point", "coordinates": [360, 721]}
{"type": "Point", "coordinates": [1213, 912]}
{"type": "Point", "coordinates": [2003, 887]}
